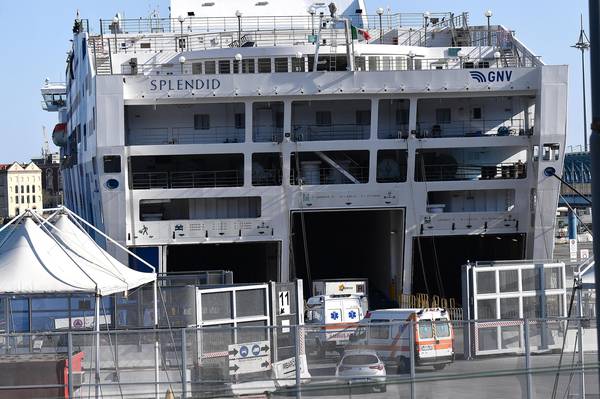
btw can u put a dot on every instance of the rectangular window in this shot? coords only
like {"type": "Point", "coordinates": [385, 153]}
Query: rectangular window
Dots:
{"type": "Point", "coordinates": [240, 121]}
{"type": "Point", "coordinates": [279, 120]}
{"type": "Point", "coordinates": [22, 199]}
{"type": "Point", "coordinates": [248, 66]}
{"type": "Point", "coordinates": [224, 67]}
{"type": "Point", "coordinates": [323, 118]}
{"type": "Point", "coordinates": [443, 115]}
{"type": "Point", "coordinates": [197, 68]}
{"type": "Point", "coordinates": [281, 64]}
{"type": "Point", "coordinates": [391, 166]}
{"type": "Point", "coordinates": [200, 209]}
{"type": "Point", "coordinates": [201, 121]}
{"type": "Point", "coordinates": [28, 199]}
{"type": "Point", "coordinates": [16, 199]}
{"type": "Point", "coordinates": [27, 189]}
{"type": "Point", "coordinates": [363, 118]}
{"type": "Point", "coordinates": [112, 164]}
{"type": "Point", "coordinates": [298, 64]}
{"type": "Point", "coordinates": [264, 65]}
{"type": "Point", "coordinates": [210, 67]}
{"type": "Point", "coordinates": [16, 189]}
{"type": "Point", "coordinates": [381, 331]}
{"type": "Point", "coordinates": [476, 113]}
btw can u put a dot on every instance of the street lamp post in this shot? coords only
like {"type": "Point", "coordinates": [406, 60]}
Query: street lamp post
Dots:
{"type": "Point", "coordinates": [488, 15]}
{"type": "Point", "coordinates": [426, 16]}
{"type": "Point", "coordinates": [380, 13]}
{"type": "Point", "coordinates": [583, 44]}
{"type": "Point", "coordinates": [181, 19]}
{"type": "Point", "coordinates": [238, 14]}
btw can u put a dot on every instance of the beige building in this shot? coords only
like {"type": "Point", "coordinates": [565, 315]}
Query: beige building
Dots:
{"type": "Point", "coordinates": [20, 188]}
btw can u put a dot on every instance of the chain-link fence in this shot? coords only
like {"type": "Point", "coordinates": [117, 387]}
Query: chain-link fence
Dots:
{"type": "Point", "coordinates": [550, 358]}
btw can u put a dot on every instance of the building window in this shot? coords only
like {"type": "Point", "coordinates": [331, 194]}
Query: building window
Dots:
{"type": "Point", "coordinates": [28, 199]}
{"type": "Point", "coordinates": [16, 189]}
{"type": "Point", "coordinates": [363, 118]}
{"type": "Point", "coordinates": [33, 189]}
{"type": "Point", "coordinates": [22, 199]}
{"type": "Point", "coordinates": [112, 164]}
{"type": "Point", "coordinates": [240, 121]}
{"type": "Point", "coordinates": [27, 189]}
{"type": "Point", "coordinates": [477, 113]}
{"type": "Point", "coordinates": [323, 118]}
{"type": "Point", "coordinates": [22, 189]}
{"type": "Point", "coordinates": [443, 115]}
{"type": "Point", "coordinates": [201, 121]}
{"type": "Point", "coordinates": [16, 199]}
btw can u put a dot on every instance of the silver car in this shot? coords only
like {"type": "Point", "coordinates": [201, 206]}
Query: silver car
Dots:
{"type": "Point", "coordinates": [362, 366]}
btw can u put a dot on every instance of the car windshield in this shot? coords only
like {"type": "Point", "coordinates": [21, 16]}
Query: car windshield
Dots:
{"type": "Point", "coordinates": [359, 360]}
{"type": "Point", "coordinates": [425, 329]}
{"type": "Point", "coordinates": [442, 329]}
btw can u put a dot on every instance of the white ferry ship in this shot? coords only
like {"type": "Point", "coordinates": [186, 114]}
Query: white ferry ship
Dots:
{"type": "Point", "coordinates": [284, 140]}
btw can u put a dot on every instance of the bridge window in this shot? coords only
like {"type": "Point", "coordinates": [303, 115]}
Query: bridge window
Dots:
{"type": "Point", "coordinates": [210, 67]}
{"type": "Point", "coordinates": [264, 65]}
{"type": "Point", "coordinates": [201, 121]}
{"type": "Point", "coordinates": [224, 67]}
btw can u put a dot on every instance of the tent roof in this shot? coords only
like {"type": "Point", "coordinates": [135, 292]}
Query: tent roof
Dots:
{"type": "Point", "coordinates": [90, 255]}
{"type": "Point", "coordinates": [32, 262]}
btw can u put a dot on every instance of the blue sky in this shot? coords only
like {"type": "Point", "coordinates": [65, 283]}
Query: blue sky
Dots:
{"type": "Point", "coordinates": [36, 39]}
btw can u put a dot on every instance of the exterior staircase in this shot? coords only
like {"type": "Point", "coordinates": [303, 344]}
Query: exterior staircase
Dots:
{"type": "Point", "coordinates": [102, 56]}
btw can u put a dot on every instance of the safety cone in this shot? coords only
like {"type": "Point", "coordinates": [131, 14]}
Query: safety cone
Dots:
{"type": "Point", "coordinates": [169, 394]}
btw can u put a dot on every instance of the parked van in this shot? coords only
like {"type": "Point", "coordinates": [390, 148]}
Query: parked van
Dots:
{"type": "Point", "coordinates": [334, 319]}
{"type": "Point", "coordinates": [386, 332]}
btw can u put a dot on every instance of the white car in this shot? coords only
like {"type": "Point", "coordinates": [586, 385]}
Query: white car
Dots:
{"type": "Point", "coordinates": [362, 366]}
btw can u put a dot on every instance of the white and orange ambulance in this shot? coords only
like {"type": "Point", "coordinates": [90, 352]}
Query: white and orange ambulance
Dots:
{"type": "Point", "coordinates": [387, 332]}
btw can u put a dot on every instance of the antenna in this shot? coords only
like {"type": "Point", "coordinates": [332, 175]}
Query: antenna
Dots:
{"type": "Point", "coordinates": [46, 146]}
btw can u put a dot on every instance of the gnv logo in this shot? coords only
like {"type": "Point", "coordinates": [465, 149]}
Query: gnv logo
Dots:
{"type": "Point", "coordinates": [492, 76]}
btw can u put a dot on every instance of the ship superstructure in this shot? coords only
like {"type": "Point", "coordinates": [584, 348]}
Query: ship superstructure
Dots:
{"type": "Point", "coordinates": [338, 142]}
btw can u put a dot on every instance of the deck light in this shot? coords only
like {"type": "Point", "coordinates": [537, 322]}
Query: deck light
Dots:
{"type": "Point", "coordinates": [488, 15]}
{"type": "Point", "coordinates": [181, 62]}
{"type": "Point", "coordinates": [115, 21]}
{"type": "Point", "coordinates": [312, 11]}
{"type": "Point", "coordinates": [299, 54]}
{"type": "Point", "coordinates": [380, 13]}
{"type": "Point", "coordinates": [497, 56]}
{"type": "Point", "coordinates": [238, 57]}
{"type": "Point", "coordinates": [238, 14]}
{"type": "Point", "coordinates": [181, 19]}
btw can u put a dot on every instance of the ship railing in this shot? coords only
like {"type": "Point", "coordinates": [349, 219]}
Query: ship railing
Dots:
{"type": "Point", "coordinates": [364, 63]}
{"type": "Point", "coordinates": [183, 179]}
{"type": "Point", "coordinates": [474, 128]}
{"type": "Point", "coordinates": [267, 177]}
{"type": "Point", "coordinates": [458, 172]}
{"type": "Point", "coordinates": [186, 135]}
{"type": "Point", "coordinates": [328, 175]}
{"type": "Point", "coordinates": [304, 132]}
{"type": "Point", "coordinates": [398, 131]}
{"type": "Point", "coordinates": [267, 133]}
{"type": "Point", "coordinates": [192, 24]}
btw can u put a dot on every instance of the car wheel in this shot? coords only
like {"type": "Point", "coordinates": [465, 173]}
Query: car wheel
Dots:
{"type": "Point", "coordinates": [440, 366]}
{"type": "Point", "coordinates": [383, 389]}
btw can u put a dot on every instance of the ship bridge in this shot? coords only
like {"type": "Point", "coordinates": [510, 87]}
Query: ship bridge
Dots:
{"type": "Point", "coordinates": [54, 96]}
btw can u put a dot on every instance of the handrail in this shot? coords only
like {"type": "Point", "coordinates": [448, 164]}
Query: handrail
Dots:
{"type": "Point", "coordinates": [457, 171]}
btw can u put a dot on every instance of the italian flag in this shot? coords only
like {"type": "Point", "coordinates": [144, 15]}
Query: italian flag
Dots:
{"type": "Point", "coordinates": [364, 33]}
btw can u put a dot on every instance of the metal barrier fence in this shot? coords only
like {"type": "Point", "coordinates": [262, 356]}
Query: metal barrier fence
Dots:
{"type": "Point", "coordinates": [404, 358]}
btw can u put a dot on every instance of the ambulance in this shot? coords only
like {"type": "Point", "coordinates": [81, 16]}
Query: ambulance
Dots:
{"type": "Point", "coordinates": [387, 332]}
{"type": "Point", "coordinates": [332, 319]}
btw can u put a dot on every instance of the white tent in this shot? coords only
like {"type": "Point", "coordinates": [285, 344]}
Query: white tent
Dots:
{"type": "Point", "coordinates": [38, 258]}
{"type": "Point", "coordinates": [87, 253]}
{"type": "Point", "coordinates": [31, 262]}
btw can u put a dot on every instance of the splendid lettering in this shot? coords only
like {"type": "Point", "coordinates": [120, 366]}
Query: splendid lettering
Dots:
{"type": "Point", "coordinates": [184, 84]}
